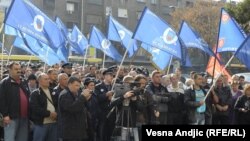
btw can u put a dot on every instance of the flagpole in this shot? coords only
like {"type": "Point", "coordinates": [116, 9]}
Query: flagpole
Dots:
{"type": "Point", "coordinates": [103, 60]}
{"type": "Point", "coordinates": [9, 54]}
{"type": "Point", "coordinates": [44, 67]}
{"type": "Point", "coordinates": [169, 65]}
{"type": "Point", "coordinates": [2, 55]}
{"type": "Point", "coordinates": [29, 61]}
{"type": "Point", "coordinates": [217, 77]}
{"type": "Point", "coordinates": [216, 49]}
{"type": "Point", "coordinates": [85, 57]}
{"type": "Point", "coordinates": [123, 58]}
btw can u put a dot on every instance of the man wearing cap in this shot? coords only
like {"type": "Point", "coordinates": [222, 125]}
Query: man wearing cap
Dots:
{"type": "Point", "coordinates": [32, 83]}
{"type": "Point", "coordinates": [67, 68]}
{"type": "Point", "coordinates": [104, 95]}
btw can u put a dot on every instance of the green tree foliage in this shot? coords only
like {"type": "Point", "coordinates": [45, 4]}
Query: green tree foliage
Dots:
{"type": "Point", "coordinates": [241, 12]}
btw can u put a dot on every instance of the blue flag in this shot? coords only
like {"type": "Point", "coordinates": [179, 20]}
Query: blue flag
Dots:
{"type": "Point", "coordinates": [243, 53]}
{"type": "Point", "coordinates": [27, 18]}
{"type": "Point", "coordinates": [192, 39]}
{"type": "Point", "coordinates": [61, 26]}
{"type": "Point", "coordinates": [99, 41]}
{"type": "Point", "coordinates": [117, 32]}
{"type": "Point", "coordinates": [156, 32]}
{"type": "Point", "coordinates": [230, 34]}
{"type": "Point", "coordinates": [10, 30]}
{"type": "Point", "coordinates": [79, 41]}
{"type": "Point", "coordinates": [32, 47]}
{"type": "Point", "coordinates": [159, 57]}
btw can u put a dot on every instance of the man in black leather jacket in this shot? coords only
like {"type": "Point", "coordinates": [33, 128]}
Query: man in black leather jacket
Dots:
{"type": "Point", "coordinates": [160, 98]}
{"type": "Point", "coordinates": [14, 95]}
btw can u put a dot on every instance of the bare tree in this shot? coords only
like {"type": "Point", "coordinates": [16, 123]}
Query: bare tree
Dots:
{"type": "Point", "coordinates": [202, 16]}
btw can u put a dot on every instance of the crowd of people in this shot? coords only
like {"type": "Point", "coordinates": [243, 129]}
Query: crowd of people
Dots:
{"type": "Point", "coordinates": [70, 103]}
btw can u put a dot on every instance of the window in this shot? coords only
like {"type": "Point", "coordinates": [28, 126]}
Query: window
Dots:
{"type": "Point", "coordinates": [108, 11]}
{"type": "Point", "coordinates": [140, 0]}
{"type": "Point", "coordinates": [97, 2]}
{"type": "Point", "coordinates": [49, 4]}
{"type": "Point", "coordinates": [178, 3]}
{"type": "Point", "coordinates": [189, 4]}
{"type": "Point", "coordinates": [122, 2]}
{"type": "Point", "coordinates": [166, 10]}
{"type": "Point", "coordinates": [122, 13]}
{"type": "Point", "coordinates": [94, 19]}
{"type": "Point", "coordinates": [138, 13]}
{"type": "Point", "coordinates": [153, 1]}
{"type": "Point", "coordinates": [71, 7]}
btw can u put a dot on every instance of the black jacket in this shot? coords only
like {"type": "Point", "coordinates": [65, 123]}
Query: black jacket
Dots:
{"type": "Point", "coordinates": [10, 97]}
{"type": "Point", "coordinates": [189, 101]}
{"type": "Point", "coordinates": [160, 96]}
{"type": "Point", "coordinates": [104, 103]}
{"type": "Point", "coordinates": [242, 117]}
{"type": "Point", "coordinates": [72, 116]}
{"type": "Point", "coordinates": [38, 105]}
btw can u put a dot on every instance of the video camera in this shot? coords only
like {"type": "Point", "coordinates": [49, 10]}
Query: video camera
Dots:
{"type": "Point", "coordinates": [121, 89]}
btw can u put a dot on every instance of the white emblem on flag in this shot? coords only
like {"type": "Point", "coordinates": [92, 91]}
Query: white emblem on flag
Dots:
{"type": "Point", "coordinates": [169, 36]}
{"type": "Point", "coordinates": [122, 34]}
{"type": "Point", "coordinates": [105, 44]}
{"type": "Point", "coordinates": [38, 23]}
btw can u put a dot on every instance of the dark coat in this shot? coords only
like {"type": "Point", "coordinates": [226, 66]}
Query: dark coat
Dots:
{"type": "Point", "coordinates": [38, 105]}
{"type": "Point", "coordinates": [72, 116]}
{"type": "Point", "coordinates": [189, 101]}
{"type": "Point", "coordinates": [104, 103]}
{"type": "Point", "coordinates": [10, 98]}
{"type": "Point", "coordinates": [243, 117]}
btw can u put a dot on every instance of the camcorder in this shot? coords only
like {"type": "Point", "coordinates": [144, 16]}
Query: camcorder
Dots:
{"type": "Point", "coordinates": [121, 89]}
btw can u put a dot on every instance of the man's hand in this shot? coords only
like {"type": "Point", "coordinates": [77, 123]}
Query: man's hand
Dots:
{"type": "Point", "coordinates": [220, 108]}
{"type": "Point", "coordinates": [157, 113]}
{"type": "Point", "coordinates": [201, 102]}
{"type": "Point", "coordinates": [109, 93]}
{"type": "Point", "coordinates": [53, 115]}
{"type": "Point", "coordinates": [224, 108]}
{"type": "Point", "coordinates": [128, 94]}
{"type": "Point", "coordinates": [86, 93]}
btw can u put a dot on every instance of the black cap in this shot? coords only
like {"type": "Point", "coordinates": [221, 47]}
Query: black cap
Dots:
{"type": "Point", "coordinates": [88, 80]}
{"type": "Point", "coordinates": [108, 71]}
{"type": "Point", "coordinates": [32, 77]}
{"type": "Point", "coordinates": [67, 65]}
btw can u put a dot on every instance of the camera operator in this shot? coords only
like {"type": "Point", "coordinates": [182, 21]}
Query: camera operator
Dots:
{"type": "Point", "coordinates": [160, 98]}
{"type": "Point", "coordinates": [242, 107]}
{"type": "Point", "coordinates": [125, 99]}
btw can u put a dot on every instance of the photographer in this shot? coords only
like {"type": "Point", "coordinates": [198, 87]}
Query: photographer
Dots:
{"type": "Point", "coordinates": [242, 107]}
{"type": "Point", "coordinates": [160, 98]}
{"type": "Point", "coordinates": [125, 98]}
